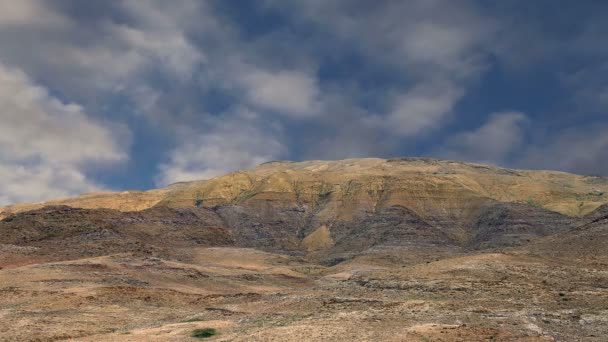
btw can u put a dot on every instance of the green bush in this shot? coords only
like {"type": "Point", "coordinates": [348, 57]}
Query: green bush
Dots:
{"type": "Point", "coordinates": [204, 333]}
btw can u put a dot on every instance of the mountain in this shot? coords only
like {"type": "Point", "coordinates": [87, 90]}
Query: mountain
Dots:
{"type": "Point", "coordinates": [368, 249]}
{"type": "Point", "coordinates": [335, 209]}
{"type": "Point", "coordinates": [421, 184]}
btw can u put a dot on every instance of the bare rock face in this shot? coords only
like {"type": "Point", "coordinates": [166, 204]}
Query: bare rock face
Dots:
{"type": "Point", "coordinates": [265, 225]}
{"type": "Point", "coordinates": [62, 232]}
{"type": "Point", "coordinates": [587, 241]}
{"type": "Point", "coordinates": [394, 226]}
{"type": "Point", "coordinates": [598, 214]}
{"type": "Point", "coordinates": [514, 224]}
{"type": "Point", "coordinates": [277, 227]}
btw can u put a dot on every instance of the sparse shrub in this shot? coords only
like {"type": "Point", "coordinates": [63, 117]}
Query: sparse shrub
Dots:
{"type": "Point", "coordinates": [531, 202]}
{"type": "Point", "coordinates": [204, 333]}
{"type": "Point", "coordinates": [198, 199]}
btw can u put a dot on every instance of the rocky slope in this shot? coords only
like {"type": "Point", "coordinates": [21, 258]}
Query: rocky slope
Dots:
{"type": "Point", "coordinates": [588, 241]}
{"type": "Point", "coordinates": [426, 186]}
{"type": "Point", "coordinates": [332, 210]}
{"type": "Point", "coordinates": [123, 201]}
{"type": "Point", "coordinates": [365, 249]}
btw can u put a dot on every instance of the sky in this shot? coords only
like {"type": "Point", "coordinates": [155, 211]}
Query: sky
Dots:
{"type": "Point", "coordinates": [139, 94]}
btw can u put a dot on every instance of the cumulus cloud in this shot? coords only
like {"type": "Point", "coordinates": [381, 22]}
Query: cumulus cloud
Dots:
{"type": "Point", "coordinates": [437, 42]}
{"type": "Point", "coordinates": [29, 12]}
{"type": "Point", "coordinates": [166, 48]}
{"type": "Point", "coordinates": [46, 145]}
{"type": "Point", "coordinates": [345, 78]}
{"type": "Point", "coordinates": [229, 144]}
{"type": "Point", "coordinates": [581, 150]}
{"type": "Point", "coordinates": [423, 108]}
{"type": "Point", "coordinates": [437, 49]}
{"type": "Point", "coordinates": [506, 139]}
{"type": "Point", "coordinates": [493, 142]}
{"type": "Point", "coordinates": [99, 54]}
{"type": "Point", "coordinates": [437, 55]}
{"type": "Point", "coordinates": [590, 87]}
{"type": "Point", "coordinates": [292, 93]}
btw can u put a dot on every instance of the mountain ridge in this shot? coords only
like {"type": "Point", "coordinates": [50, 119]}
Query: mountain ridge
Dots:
{"type": "Point", "coordinates": [308, 180]}
{"type": "Point", "coordinates": [334, 210]}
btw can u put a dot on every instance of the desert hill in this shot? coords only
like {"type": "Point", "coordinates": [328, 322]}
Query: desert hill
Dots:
{"type": "Point", "coordinates": [421, 184]}
{"type": "Point", "coordinates": [406, 249]}
{"type": "Point", "coordinates": [336, 209]}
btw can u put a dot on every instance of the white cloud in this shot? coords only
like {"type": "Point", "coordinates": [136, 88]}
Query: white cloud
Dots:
{"type": "Point", "coordinates": [578, 149]}
{"type": "Point", "coordinates": [590, 87]}
{"type": "Point", "coordinates": [502, 140]}
{"type": "Point", "coordinates": [29, 12]}
{"type": "Point", "coordinates": [493, 142]}
{"type": "Point", "coordinates": [168, 49]}
{"type": "Point", "coordinates": [292, 93]}
{"type": "Point", "coordinates": [230, 144]}
{"type": "Point", "coordinates": [87, 59]}
{"type": "Point", "coordinates": [39, 182]}
{"type": "Point", "coordinates": [436, 48]}
{"type": "Point", "coordinates": [423, 108]}
{"type": "Point", "coordinates": [45, 144]}
{"type": "Point", "coordinates": [364, 74]}
{"type": "Point", "coordinates": [439, 43]}
{"type": "Point", "coordinates": [431, 36]}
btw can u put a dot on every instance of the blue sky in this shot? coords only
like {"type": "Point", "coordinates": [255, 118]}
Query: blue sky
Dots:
{"type": "Point", "coordinates": [140, 94]}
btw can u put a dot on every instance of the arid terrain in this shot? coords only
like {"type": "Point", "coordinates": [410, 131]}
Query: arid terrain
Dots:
{"type": "Point", "coordinates": [405, 249]}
